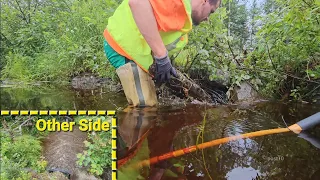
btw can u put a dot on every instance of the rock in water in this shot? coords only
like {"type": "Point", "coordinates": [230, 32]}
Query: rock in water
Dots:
{"type": "Point", "coordinates": [88, 81]}
{"type": "Point", "coordinates": [244, 93]}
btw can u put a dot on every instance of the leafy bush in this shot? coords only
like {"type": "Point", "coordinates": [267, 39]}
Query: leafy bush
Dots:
{"type": "Point", "coordinates": [19, 155]}
{"type": "Point", "coordinates": [54, 40]}
{"type": "Point", "coordinates": [281, 55]}
{"type": "Point", "coordinates": [97, 155]}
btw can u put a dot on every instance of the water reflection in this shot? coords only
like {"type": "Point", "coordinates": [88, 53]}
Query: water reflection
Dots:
{"type": "Point", "coordinates": [242, 173]}
{"type": "Point", "coordinates": [315, 141]}
{"type": "Point", "coordinates": [134, 126]}
{"type": "Point", "coordinates": [278, 156]}
{"type": "Point", "coordinates": [59, 97]}
{"type": "Point", "coordinates": [149, 132]}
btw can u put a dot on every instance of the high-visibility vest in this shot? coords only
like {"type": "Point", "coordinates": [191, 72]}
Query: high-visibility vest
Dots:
{"type": "Point", "coordinates": [174, 22]}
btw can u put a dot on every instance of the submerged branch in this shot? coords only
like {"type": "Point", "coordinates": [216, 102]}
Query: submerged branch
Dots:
{"type": "Point", "coordinates": [190, 87]}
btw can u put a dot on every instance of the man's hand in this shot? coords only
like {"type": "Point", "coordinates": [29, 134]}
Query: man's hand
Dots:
{"type": "Point", "coordinates": [164, 69]}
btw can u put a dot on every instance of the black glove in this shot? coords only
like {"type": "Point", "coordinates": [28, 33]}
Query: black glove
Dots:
{"type": "Point", "coordinates": [164, 69]}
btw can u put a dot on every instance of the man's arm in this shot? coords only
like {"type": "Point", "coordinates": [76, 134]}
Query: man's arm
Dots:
{"type": "Point", "coordinates": [147, 24]}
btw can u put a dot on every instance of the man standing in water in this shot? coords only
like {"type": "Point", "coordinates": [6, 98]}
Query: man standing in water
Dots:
{"type": "Point", "coordinates": [146, 32]}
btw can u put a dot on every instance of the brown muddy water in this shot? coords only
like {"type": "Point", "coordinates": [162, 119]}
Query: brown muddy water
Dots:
{"type": "Point", "coordinates": [278, 156]}
{"type": "Point", "coordinates": [146, 133]}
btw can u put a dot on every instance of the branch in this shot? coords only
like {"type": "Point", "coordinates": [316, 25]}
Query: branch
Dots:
{"type": "Point", "coordinates": [192, 61]}
{"type": "Point", "coordinates": [193, 89]}
{"type": "Point", "coordinates": [24, 16]}
{"type": "Point", "coordinates": [20, 126]}
{"type": "Point", "coordinates": [311, 91]}
{"type": "Point", "coordinates": [29, 8]}
{"type": "Point", "coordinates": [195, 57]}
{"type": "Point", "coordinates": [307, 3]}
{"type": "Point", "coordinates": [6, 127]}
{"type": "Point", "coordinates": [274, 67]}
{"type": "Point", "coordinates": [6, 38]}
{"type": "Point", "coordinates": [310, 7]}
{"type": "Point", "coordinates": [234, 57]}
{"type": "Point", "coordinates": [188, 57]}
{"type": "Point", "coordinates": [35, 7]}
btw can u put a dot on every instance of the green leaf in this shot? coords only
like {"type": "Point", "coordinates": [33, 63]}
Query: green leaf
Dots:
{"type": "Point", "coordinates": [246, 77]}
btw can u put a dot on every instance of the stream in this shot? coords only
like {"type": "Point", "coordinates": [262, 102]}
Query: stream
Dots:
{"type": "Point", "coordinates": [150, 132]}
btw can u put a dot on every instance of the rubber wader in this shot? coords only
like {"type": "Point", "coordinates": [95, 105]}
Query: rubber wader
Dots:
{"type": "Point", "coordinates": [138, 85]}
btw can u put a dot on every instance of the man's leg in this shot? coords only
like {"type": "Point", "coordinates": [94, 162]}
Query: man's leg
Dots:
{"type": "Point", "coordinates": [138, 86]}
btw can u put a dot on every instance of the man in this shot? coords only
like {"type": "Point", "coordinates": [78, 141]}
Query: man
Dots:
{"type": "Point", "coordinates": [142, 33]}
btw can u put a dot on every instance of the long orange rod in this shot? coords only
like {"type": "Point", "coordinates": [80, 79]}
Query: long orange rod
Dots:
{"type": "Point", "coordinates": [295, 128]}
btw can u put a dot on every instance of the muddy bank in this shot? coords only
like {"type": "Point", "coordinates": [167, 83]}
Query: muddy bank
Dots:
{"type": "Point", "coordinates": [60, 150]}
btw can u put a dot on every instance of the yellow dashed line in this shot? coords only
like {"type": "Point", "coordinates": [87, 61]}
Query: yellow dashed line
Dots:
{"type": "Point", "coordinates": [33, 112]}
{"type": "Point", "coordinates": [91, 112]}
{"type": "Point", "coordinates": [53, 112]}
{"type": "Point", "coordinates": [111, 113]}
{"type": "Point", "coordinates": [114, 154]}
{"type": "Point", "coordinates": [72, 112]}
{"type": "Point", "coordinates": [82, 112]}
{"type": "Point", "coordinates": [114, 165]}
{"type": "Point", "coordinates": [114, 144]}
{"type": "Point", "coordinates": [114, 175]}
{"type": "Point", "coordinates": [14, 112]}
{"type": "Point", "coordinates": [63, 113]}
{"type": "Point", "coordinates": [114, 122]}
{"type": "Point", "coordinates": [101, 112]}
{"type": "Point", "coordinates": [24, 112]}
{"type": "Point", "coordinates": [5, 112]}
{"type": "Point", "coordinates": [75, 112]}
{"type": "Point", "coordinates": [114, 133]}
{"type": "Point", "coordinates": [43, 112]}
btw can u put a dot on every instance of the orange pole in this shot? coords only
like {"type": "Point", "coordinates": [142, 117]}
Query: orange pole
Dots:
{"type": "Point", "coordinates": [295, 128]}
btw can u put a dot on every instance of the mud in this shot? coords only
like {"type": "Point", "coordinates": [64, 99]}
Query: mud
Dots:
{"type": "Point", "coordinates": [60, 150]}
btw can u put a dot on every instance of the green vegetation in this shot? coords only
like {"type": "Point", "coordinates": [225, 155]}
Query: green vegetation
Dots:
{"type": "Point", "coordinates": [53, 40]}
{"type": "Point", "coordinates": [21, 148]}
{"type": "Point", "coordinates": [21, 151]}
{"type": "Point", "coordinates": [97, 155]}
{"type": "Point", "coordinates": [273, 45]}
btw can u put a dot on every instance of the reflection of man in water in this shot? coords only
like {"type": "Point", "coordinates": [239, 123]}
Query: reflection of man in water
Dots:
{"type": "Point", "coordinates": [134, 125]}
{"type": "Point", "coordinates": [139, 138]}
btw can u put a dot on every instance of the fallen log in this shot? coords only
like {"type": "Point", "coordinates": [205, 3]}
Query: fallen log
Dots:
{"type": "Point", "coordinates": [186, 87]}
{"type": "Point", "coordinates": [189, 88]}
